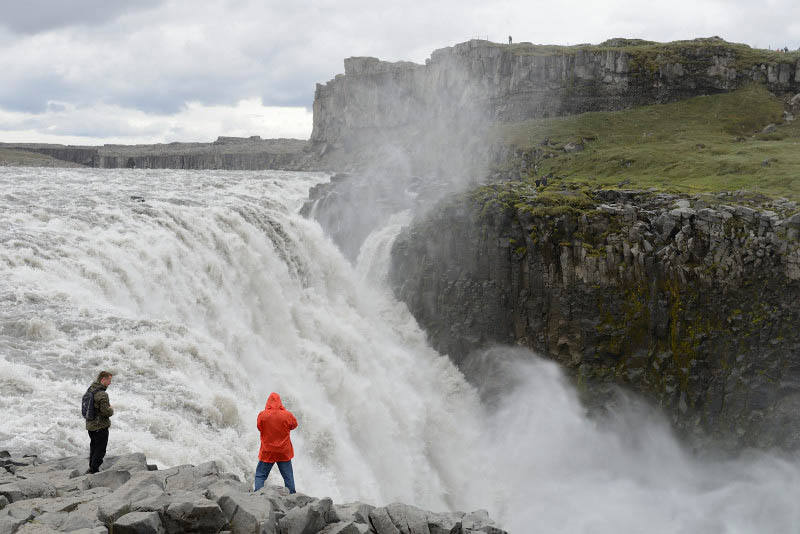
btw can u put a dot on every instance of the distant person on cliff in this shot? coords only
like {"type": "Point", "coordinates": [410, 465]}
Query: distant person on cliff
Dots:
{"type": "Point", "coordinates": [509, 39]}
{"type": "Point", "coordinates": [97, 419]}
{"type": "Point", "coordinates": [275, 423]}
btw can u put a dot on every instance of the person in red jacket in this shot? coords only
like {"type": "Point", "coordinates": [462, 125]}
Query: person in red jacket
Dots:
{"type": "Point", "coordinates": [275, 423]}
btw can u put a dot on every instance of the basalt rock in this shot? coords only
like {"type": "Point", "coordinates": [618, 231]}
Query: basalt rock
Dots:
{"type": "Point", "coordinates": [199, 499]}
{"type": "Point", "coordinates": [230, 153]}
{"type": "Point", "coordinates": [690, 301]}
{"type": "Point", "coordinates": [465, 86]}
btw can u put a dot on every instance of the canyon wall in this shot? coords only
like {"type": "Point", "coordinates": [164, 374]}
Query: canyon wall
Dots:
{"type": "Point", "coordinates": [377, 101]}
{"type": "Point", "coordinates": [689, 301]}
{"type": "Point", "coordinates": [231, 153]}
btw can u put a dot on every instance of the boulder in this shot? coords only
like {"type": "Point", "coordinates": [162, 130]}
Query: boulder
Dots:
{"type": "Point", "coordinates": [571, 147]}
{"type": "Point", "coordinates": [408, 519]}
{"type": "Point", "coordinates": [81, 520]}
{"type": "Point", "coordinates": [140, 487]}
{"type": "Point", "coordinates": [129, 462]}
{"type": "Point", "coordinates": [223, 487]}
{"type": "Point", "coordinates": [186, 477]}
{"type": "Point", "coordinates": [10, 524]}
{"type": "Point", "coordinates": [770, 128]}
{"type": "Point", "coordinates": [160, 503]}
{"type": "Point", "coordinates": [479, 521]}
{"type": "Point", "coordinates": [664, 225]}
{"type": "Point", "coordinates": [381, 521]}
{"type": "Point", "coordinates": [52, 520]}
{"type": "Point", "coordinates": [68, 463]}
{"type": "Point", "coordinates": [139, 523]}
{"type": "Point", "coordinates": [794, 104]}
{"type": "Point", "coordinates": [294, 500]}
{"type": "Point", "coordinates": [109, 479]}
{"type": "Point", "coordinates": [198, 515]}
{"type": "Point", "coordinates": [248, 513]}
{"type": "Point", "coordinates": [413, 520]}
{"type": "Point", "coordinates": [357, 512]}
{"type": "Point", "coordinates": [26, 489]}
{"type": "Point", "coordinates": [21, 513]}
{"type": "Point", "coordinates": [307, 519]}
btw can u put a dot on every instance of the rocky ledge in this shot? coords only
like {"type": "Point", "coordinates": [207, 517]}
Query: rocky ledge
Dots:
{"type": "Point", "coordinates": [128, 496]}
{"type": "Point", "coordinates": [691, 301]}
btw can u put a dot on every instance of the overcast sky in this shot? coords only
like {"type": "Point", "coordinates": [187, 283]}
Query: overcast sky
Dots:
{"type": "Point", "coordinates": [141, 71]}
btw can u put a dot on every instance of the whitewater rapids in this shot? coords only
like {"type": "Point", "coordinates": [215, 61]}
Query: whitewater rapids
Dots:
{"type": "Point", "coordinates": [212, 292]}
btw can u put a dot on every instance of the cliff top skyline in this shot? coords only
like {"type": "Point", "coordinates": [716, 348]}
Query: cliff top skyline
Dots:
{"type": "Point", "coordinates": [89, 72]}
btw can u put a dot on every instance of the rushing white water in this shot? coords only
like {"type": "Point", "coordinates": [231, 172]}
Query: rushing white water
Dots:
{"type": "Point", "coordinates": [212, 293]}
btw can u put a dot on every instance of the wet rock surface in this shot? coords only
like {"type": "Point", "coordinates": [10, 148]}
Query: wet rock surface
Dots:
{"type": "Point", "coordinates": [127, 497]}
{"type": "Point", "coordinates": [689, 300]}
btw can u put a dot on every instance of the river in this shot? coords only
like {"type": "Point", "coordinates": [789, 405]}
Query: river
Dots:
{"type": "Point", "coordinates": [204, 291]}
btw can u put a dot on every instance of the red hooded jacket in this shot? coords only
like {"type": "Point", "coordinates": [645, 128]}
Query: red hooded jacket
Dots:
{"type": "Point", "coordinates": [275, 423]}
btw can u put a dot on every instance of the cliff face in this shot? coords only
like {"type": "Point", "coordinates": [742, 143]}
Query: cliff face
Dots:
{"type": "Point", "coordinates": [82, 156]}
{"type": "Point", "coordinates": [241, 161]}
{"type": "Point", "coordinates": [519, 82]}
{"type": "Point", "coordinates": [692, 302]}
{"type": "Point", "coordinates": [232, 153]}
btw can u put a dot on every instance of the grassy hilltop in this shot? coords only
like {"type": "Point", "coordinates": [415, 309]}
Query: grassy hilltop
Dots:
{"type": "Point", "coordinates": [652, 55]}
{"type": "Point", "coordinates": [704, 144]}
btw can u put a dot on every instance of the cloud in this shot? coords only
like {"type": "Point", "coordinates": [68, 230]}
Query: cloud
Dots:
{"type": "Point", "coordinates": [34, 16]}
{"type": "Point", "coordinates": [68, 124]}
{"type": "Point", "coordinates": [159, 55]}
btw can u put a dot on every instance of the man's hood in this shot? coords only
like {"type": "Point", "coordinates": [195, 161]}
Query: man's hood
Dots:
{"type": "Point", "coordinates": [274, 402]}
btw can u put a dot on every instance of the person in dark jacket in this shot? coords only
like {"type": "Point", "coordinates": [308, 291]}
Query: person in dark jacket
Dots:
{"type": "Point", "coordinates": [275, 423]}
{"type": "Point", "coordinates": [98, 427]}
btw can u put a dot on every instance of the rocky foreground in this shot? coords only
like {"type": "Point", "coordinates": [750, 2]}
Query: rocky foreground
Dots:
{"type": "Point", "coordinates": [130, 496]}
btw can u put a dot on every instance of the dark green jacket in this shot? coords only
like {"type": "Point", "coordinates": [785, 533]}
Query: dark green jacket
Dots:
{"type": "Point", "coordinates": [102, 408]}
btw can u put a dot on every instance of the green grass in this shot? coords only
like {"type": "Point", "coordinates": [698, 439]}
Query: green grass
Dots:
{"type": "Point", "coordinates": [648, 55]}
{"type": "Point", "coordinates": [24, 158]}
{"type": "Point", "coordinates": [704, 144]}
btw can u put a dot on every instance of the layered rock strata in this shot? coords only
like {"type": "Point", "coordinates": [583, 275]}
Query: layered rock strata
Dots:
{"type": "Point", "coordinates": [130, 496]}
{"type": "Point", "coordinates": [691, 301]}
{"type": "Point", "coordinates": [230, 153]}
{"type": "Point", "coordinates": [378, 101]}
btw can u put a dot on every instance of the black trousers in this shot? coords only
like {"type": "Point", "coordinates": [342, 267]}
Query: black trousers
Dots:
{"type": "Point", "coordinates": [97, 448]}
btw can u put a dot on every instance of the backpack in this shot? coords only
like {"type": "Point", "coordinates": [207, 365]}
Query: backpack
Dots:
{"type": "Point", "coordinates": [87, 405]}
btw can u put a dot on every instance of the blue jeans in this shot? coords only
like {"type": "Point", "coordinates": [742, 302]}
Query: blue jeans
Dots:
{"type": "Point", "coordinates": [263, 469]}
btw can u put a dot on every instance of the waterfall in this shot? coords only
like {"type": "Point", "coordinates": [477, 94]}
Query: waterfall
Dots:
{"type": "Point", "coordinates": [205, 291]}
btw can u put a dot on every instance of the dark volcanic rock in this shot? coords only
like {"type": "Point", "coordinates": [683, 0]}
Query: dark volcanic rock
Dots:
{"type": "Point", "coordinates": [231, 153]}
{"type": "Point", "coordinates": [197, 499]}
{"type": "Point", "coordinates": [690, 301]}
{"type": "Point", "coordinates": [374, 98]}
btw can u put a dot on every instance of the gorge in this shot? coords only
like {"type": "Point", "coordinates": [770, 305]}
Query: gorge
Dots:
{"type": "Point", "coordinates": [516, 283]}
{"type": "Point", "coordinates": [689, 299]}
